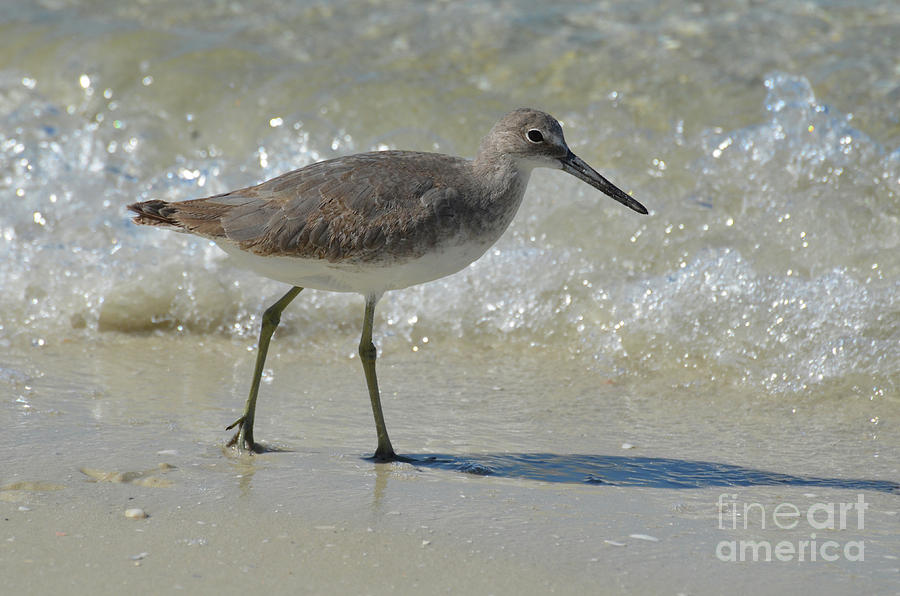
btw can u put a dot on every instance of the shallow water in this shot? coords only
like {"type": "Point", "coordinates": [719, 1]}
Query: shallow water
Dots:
{"type": "Point", "coordinates": [751, 320]}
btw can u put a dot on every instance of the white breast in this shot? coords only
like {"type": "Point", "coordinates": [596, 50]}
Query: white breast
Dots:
{"type": "Point", "coordinates": [361, 278]}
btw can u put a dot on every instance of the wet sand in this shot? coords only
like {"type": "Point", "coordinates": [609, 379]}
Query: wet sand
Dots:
{"type": "Point", "coordinates": [530, 479]}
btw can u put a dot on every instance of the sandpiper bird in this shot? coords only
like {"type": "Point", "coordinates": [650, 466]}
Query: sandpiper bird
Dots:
{"type": "Point", "coordinates": [374, 222]}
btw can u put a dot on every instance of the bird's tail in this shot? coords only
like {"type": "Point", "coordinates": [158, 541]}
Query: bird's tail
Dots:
{"type": "Point", "coordinates": [155, 213]}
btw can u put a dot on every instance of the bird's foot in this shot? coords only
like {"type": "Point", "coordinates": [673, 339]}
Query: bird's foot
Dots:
{"type": "Point", "coordinates": [387, 455]}
{"type": "Point", "coordinates": [242, 440]}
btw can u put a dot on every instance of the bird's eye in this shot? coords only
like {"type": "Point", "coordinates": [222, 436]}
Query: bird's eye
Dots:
{"type": "Point", "coordinates": [534, 136]}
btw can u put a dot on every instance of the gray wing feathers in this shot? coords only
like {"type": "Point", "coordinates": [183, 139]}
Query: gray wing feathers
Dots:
{"type": "Point", "coordinates": [342, 208]}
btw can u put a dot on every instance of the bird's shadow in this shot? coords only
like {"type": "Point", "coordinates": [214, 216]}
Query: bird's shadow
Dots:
{"type": "Point", "coordinates": [651, 472]}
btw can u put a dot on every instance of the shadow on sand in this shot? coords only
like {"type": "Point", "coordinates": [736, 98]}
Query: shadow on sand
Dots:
{"type": "Point", "coordinates": [653, 472]}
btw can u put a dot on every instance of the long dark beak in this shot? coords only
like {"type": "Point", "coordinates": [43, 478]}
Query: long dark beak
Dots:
{"type": "Point", "coordinates": [576, 166]}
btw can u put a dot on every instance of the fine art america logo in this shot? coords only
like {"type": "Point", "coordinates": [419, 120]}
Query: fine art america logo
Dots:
{"type": "Point", "coordinates": [818, 517]}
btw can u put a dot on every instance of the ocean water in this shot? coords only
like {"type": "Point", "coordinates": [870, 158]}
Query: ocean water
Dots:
{"type": "Point", "coordinates": [763, 139]}
{"type": "Point", "coordinates": [612, 372]}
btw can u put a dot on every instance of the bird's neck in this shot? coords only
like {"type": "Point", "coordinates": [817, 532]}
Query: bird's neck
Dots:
{"type": "Point", "coordinates": [503, 178]}
{"type": "Point", "coordinates": [502, 182]}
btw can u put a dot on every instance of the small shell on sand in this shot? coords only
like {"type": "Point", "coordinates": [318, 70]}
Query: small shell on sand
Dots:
{"type": "Point", "coordinates": [136, 513]}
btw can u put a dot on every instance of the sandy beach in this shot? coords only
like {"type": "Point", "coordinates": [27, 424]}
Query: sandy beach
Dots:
{"type": "Point", "coordinates": [506, 498]}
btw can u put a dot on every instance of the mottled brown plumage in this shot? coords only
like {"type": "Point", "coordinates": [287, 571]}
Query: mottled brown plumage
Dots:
{"type": "Point", "coordinates": [374, 207]}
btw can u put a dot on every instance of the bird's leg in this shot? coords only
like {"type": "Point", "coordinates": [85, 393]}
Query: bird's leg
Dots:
{"type": "Point", "coordinates": [243, 438]}
{"type": "Point", "coordinates": [367, 354]}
